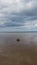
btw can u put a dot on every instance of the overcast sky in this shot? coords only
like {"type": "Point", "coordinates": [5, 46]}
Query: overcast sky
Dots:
{"type": "Point", "coordinates": [18, 15]}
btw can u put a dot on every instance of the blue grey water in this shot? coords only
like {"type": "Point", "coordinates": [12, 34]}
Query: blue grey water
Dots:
{"type": "Point", "coordinates": [11, 37]}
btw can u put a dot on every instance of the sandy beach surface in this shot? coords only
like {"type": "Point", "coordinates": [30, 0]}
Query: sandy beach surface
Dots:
{"type": "Point", "coordinates": [23, 52]}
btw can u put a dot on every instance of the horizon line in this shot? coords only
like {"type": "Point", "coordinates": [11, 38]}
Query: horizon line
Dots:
{"type": "Point", "coordinates": [17, 31]}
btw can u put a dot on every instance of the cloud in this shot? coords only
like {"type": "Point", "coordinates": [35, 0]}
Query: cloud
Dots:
{"type": "Point", "coordinates": [18, 14]}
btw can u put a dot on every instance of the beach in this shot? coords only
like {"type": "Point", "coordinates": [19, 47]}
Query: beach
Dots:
{"type": "Point", "coordinates": [23, 52]}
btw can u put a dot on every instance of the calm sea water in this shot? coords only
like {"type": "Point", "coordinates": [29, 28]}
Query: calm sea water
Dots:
{"type": "Point", "coordinates": [11, 37]}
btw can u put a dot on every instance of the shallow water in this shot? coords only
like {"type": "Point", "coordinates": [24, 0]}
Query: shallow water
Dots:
{"type": "Point", "coordinates": [11, 37]}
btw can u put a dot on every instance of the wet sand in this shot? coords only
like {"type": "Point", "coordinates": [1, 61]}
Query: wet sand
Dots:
{"type": "Point", "coordinates": [23, 52]}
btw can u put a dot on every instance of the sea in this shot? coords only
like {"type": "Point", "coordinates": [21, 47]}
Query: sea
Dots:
{"type": "Point", "coordinates": [25, 38]}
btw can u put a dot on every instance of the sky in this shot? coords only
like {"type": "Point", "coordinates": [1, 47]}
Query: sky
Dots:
{"type": "Point", "coordinates": [18, 15]}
